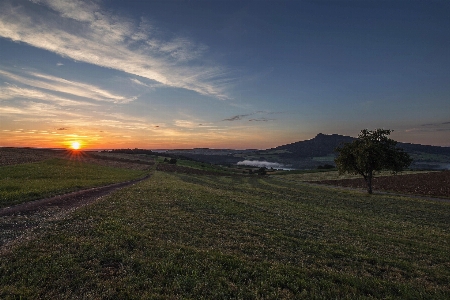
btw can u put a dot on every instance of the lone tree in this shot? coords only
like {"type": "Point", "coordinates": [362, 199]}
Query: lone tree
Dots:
{"type": "Point", "coordinates": [371, 152]}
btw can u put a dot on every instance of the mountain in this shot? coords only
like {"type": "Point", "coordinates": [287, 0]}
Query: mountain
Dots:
{"type": "Point", "coordinates": [321, 145]}
{"type": "Point", "coordinates": [324, 144]}
{"type": "Point", "coordinates": [322, 148]}
{"type": "Point", "coordinates": [311, 154]}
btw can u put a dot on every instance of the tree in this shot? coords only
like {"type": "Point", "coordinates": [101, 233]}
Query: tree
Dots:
{"type": "Point", "coordinates": [262, 171]}
{"type": "Point", "coordinates": [371, 152]}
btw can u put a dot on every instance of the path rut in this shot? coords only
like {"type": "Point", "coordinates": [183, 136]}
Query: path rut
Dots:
{"type": "Point", "coordinates": [23, 222]}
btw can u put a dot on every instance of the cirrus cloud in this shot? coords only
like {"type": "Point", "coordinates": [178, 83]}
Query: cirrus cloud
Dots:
{"type": "Point", "coordinates": [84, 31]}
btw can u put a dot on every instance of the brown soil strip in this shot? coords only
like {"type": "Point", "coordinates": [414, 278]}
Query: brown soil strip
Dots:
{"type": "Point", "coordinates": [20, 222]}
{"type": "Point", "coordinates": [428, 185]}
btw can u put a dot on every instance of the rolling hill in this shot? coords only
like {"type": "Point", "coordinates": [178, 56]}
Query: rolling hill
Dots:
{"type": "Point", "coordinates": [310, 154]}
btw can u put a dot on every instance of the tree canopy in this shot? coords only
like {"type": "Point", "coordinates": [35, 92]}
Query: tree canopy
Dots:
{"type": "Point", "coordinates": [371, 152]}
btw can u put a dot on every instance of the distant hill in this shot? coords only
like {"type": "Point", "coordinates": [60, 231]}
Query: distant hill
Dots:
{"type": "Point", "coordinates": [324, 144]}
{"type": "Point", "coordinates": [424, 156]}
{"type": "Point", "coordinates": [321, 145]}
{"type": "Point", "coordinates": [311, 154]}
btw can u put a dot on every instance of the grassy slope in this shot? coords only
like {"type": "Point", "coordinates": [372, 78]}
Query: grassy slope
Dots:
{"type": "Point", "coordinates": [25, 182]}
{"type": "Point", "coordinates": [317, 175]}
{"type": "Point", "coordinates": [181, 236]}
{"type": "Point", "coordinates": [198, 165]}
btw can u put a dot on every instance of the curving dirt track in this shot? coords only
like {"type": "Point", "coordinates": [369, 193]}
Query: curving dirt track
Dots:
{"type": "Point", "coordinates": [433, 184]}
{"type": "Point", "coordinates": [21, 222]}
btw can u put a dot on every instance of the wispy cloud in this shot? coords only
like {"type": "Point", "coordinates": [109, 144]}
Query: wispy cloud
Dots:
{"type": "Point", "coordinates": [186, 124]}
{"type": "Point", "coordinates": [431, 127]}
{"type": "Point", "coordinates": [85, 32]}
{"type": "Point", "coordinates": [260, 119]}
{"type": "Point", "coordinates": [41, 112]}
{"type": "Point", "coordinates": [13, 92]}
{"type": "Point", "coordinates": [60, 85]}
{"type": "Point", "coordinates": [443, 126]}
{"type": "Point", "coordinates": [237, 117]}
{"type": "Point", "coordinates": [34, 112]}
{"type": "Point", "coordinates": [138, 82]}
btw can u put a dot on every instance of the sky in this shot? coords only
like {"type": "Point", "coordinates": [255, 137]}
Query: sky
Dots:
{"type": "Point", "coordinates": [221, 74]}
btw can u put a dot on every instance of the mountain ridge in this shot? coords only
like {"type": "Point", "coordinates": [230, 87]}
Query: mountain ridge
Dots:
{"type": "Point", "coordinates": [325, 144]}
{"type": "Point", "coordinates": [312, 153]}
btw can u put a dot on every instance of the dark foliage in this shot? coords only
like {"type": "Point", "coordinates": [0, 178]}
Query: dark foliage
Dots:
{"type": "Point", "coordinates": [371, 152]}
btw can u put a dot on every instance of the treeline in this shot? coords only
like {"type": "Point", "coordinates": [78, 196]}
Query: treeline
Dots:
{"type": "Point", "coordinates": [131, 151]}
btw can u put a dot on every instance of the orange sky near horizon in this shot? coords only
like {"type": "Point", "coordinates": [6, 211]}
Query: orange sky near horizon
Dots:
{"type": "Point", "coordinates": [168, 139]}
{"type": "Point", "coordinates": [164, 139]}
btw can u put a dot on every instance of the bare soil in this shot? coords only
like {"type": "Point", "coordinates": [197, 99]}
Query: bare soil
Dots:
{"type": "Point", "coordinates": [433, 184]}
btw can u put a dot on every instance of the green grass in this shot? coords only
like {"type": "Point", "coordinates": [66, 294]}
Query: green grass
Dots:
{"type": "Point", "coordinates": [179, 236]}
{"type": "Point", "coordinates": [201, 166]}
{"type": "Point", "coordinates": [318, 174]}
{"type": "Point", "coordinates": [25, 182]}
{"type": "Point", "coordinates": [198, 165]}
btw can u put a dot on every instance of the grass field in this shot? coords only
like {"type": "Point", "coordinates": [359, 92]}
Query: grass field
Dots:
{"type": "Point", "coordinates": [201, 166]}
{"type": "Point", "coordinates": [179, 236]}
{"type": "Point", "coordinates": [25, 182]}
{"type": "Point", "coordinates": [318, 175]}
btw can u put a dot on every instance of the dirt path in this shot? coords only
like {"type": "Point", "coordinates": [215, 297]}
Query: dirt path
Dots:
{"type": "Point", "coordinates": [23, 222]}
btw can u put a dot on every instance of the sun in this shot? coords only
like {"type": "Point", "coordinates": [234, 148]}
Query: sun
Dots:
{"type": "Point", "coordinates": [75, 145]}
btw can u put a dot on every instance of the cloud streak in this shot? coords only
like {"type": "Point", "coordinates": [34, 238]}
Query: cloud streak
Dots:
{"type": "Point", "coordinates": [431, 127]}
{"type": "Point", "coordinates": [37, 111]}
{"type": "Point", "coordinates": [60, 85]}
{"type": "Point", "coordinates": [261, 119]}
{"type": "Point", "coordinates": [237, 117]}
{"type": "Point", "coordinates": [13, 92]}
{"type": "Point", "coordinates": [83, 31]}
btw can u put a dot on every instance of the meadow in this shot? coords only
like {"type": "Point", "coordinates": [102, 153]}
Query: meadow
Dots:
{"type": "Point", "coordinates": [187, 236]}
{"type": "Point", "coordinates": [25, 182]}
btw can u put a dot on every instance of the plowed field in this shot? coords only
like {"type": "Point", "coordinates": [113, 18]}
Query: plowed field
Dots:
{"type": "Point", "coordinates": [435, 184]}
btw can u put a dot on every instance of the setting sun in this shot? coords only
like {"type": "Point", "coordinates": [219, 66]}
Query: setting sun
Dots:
{"type": "Point", "coordinates": [75, 145]}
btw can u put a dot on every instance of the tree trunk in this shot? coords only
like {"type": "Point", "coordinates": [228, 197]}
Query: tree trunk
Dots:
{"type": "Point", "coordinates": [369, 183]}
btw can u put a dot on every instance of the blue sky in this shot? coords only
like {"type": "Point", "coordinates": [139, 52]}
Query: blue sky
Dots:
{"type": "Point", "coordinates": [221, 74]}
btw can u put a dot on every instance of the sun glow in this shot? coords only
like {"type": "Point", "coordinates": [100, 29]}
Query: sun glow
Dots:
{"type": "Point", "coordinates": [75, 145]}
